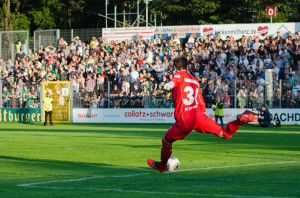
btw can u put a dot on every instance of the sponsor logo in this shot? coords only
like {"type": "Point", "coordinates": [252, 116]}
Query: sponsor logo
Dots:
{"type": "Point", "coordinates": [93, 115]}
{"type": "Point", "coordinates": [286, 117]}
{"type": "Point", "coordinates": [177, 76]}
{"type": "Point", "coordinates": [263, 31]}
{"type": "Point", "coordinates": [207, 31]}
{"type": "Point", "coordinates": [282, 29]}
{"type": "Point", "coordinates": [142, 114]}
{"type": "Point", "coordinates": [188, 29]}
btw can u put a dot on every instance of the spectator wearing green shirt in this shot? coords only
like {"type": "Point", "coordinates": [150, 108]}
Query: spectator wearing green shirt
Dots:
{"type": "Point", "coordinates": [5, 94]}
{"type": "Point", "coordinates": [154, 102]}
{"type": "Point", "coordinates": [29, 100]}
{"type": "Point", "coordinates": [25, 91]}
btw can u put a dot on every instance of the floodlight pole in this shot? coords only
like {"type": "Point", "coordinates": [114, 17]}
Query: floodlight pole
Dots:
{"type": "Point", "coordinates": [115, 15]}
{"type": "Point", "coordinates": [138, 13]}
{"type": "Point", "coordinates": [147, 10]}
{"type": "Point", "coordinates": [106, 3]}
{"type": "Point", "coordinates": [124, 17]}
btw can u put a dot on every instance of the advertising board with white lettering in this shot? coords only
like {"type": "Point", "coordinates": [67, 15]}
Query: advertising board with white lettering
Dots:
{"type": "Point", "coordinates": [235, 30]}
{"type": "Point", "coordinates": [286, 116]}
{"type": "Point", "coordinates": [121, 34]}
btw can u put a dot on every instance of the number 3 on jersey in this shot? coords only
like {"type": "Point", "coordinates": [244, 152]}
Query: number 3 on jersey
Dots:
{"type": "Point", "coordinates": [191, 98]}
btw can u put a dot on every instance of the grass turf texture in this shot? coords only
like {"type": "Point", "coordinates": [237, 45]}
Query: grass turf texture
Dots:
{"type": "Point", "coordinates": [109, 155]}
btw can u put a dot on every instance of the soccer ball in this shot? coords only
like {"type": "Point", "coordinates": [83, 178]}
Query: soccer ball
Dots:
{"type": "Point", "coordinates": [173, 164]}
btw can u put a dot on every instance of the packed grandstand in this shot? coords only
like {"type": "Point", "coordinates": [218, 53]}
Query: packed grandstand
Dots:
{"type": "Point", "coordinates": [132, 73]}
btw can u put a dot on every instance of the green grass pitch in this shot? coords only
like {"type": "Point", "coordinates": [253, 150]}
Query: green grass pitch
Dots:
{"type": "Point", "coordinates": [109, 160]}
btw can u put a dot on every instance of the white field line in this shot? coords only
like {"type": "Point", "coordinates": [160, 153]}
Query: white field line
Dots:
{"type": "Point", "coordinates": [148, 173]}
{"type": "Point", "coordinates": [241, 165]}
{"type": "Point", "coordinates": [155, 192]}
{"type": "Point", "coordinates": [81, 179]}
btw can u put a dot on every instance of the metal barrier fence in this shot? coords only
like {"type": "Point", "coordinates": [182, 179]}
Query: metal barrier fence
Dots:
{"type": "Point", "coordinates": [45, 38]}
{"type": "Point", "coordinates": [51, 37]}
{"type": "Point", "coordinates": [18, 94]}
{"type": "Point", "coordinates": [12, 42]}
{"type": "Point", "coordinates": [109, 95]}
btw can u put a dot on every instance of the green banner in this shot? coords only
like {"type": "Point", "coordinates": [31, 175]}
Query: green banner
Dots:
{"type": "Point", "coordinates": [20, 115]}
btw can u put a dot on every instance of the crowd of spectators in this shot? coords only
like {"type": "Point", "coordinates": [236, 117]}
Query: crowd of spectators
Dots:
{"type": "Point", "coordinates": [133, 73]}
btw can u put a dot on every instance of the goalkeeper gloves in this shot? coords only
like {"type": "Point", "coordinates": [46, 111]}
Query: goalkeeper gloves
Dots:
{"type": "Point", "coordinates": [169, 86]}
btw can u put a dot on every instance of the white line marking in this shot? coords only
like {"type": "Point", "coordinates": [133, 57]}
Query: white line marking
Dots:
{"type": "Point", "coordinates": [155, 192]}
{"type": "Point", "coordinates": [81, 179]}
{"type": "Point", "coordinates": [33, 185]}
{"type": "Point", "coordinates": [148, 173]}
{"type": "Point", "coordinates": [266, 163]}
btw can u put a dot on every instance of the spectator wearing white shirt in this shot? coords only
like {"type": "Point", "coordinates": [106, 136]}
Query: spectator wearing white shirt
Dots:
{"type": "Point", "coordinates": [256, 44]}
{"type": "Point", "coordinates": [267, 59]}
{"type": "Point", "coordinates": [260, 84]}
{"type": "Point", "coordinates": [252, 65]}
{"type": "Point", "coordinates": [156, 40]}
{"type": "Point", "coordinates": [259, 63]}
{"type": "Point", "coordinates": [125, 86]}
{"type": "Point", "coordinates": [191, 41]}
{"type": "Point", "coordinates": [244, 60]}
{"type": "Point", "coordinates": [219, 61]}
{"type": "Point", "coordinates": [176, 40]}
{"type": "Point", "coordinates": [275, 69]}
{"type": "Point", "coordinates": [149, 56]}
{"type": "Point", "coordinates": [133, 75]}
{"type": "Point", "coordinates": [223, 55]}
{"type": "Point", "coordinates": [296, 87]}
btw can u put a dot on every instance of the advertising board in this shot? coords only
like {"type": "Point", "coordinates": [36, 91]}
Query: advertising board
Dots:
{"type": "Point", "coordinates": [286, 116]}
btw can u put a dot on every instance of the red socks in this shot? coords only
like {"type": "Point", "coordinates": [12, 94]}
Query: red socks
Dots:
{"type": "Point", "coordinates": [166, 152]}
{"type": "Point", "coordinates": [231, 128]}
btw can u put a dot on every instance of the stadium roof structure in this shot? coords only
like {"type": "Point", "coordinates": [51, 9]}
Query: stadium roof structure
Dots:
{"type": "Point", "coordinates": [139, 16]}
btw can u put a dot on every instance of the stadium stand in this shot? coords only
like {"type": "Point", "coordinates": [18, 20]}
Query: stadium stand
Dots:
{"type": "Point", "coordinates": [132, 73]}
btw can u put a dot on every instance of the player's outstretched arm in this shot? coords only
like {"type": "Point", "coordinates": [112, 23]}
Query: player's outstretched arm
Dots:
{"type": "Point", "coordinates": [169, 86]}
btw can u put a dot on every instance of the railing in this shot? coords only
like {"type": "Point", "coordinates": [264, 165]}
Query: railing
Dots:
{"type": "Point", "coordinates": [20, 95]}
{"type": "Point", "coordinates": [116, 94]}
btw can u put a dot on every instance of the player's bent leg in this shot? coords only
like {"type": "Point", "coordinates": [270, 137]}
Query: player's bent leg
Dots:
{"type": "Point", "coordinates": [176, 132]}
{"type": "Point", "coordinates": [233, 126]}
{"type": "Point", "coordinates": [166, 151]}
{"type": "Point", "coordinates": [206, 124]}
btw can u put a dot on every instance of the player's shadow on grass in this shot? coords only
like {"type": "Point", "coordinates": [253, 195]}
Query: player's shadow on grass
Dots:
{"type": "Point", "coordinates": [52, 163]}
{"type": "Point", "coordinates": [72, 168]}
{"type": "Point", "coordinates": [86, 131]}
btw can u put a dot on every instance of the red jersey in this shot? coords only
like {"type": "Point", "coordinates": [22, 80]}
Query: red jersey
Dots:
{"type": "Point", "coordinates": [187, 96]}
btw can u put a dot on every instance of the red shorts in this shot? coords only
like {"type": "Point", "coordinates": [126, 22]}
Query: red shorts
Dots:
{"type": "Point", "coordinates": [195, 120]}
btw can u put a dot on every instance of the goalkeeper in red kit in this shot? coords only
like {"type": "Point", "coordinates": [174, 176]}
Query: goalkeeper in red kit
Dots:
{"type": "Point", "coordinates": [190, 113]}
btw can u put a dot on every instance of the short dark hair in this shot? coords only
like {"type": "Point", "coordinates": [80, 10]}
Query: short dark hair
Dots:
{"type": "Point", "coordinates": [180, 62]}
